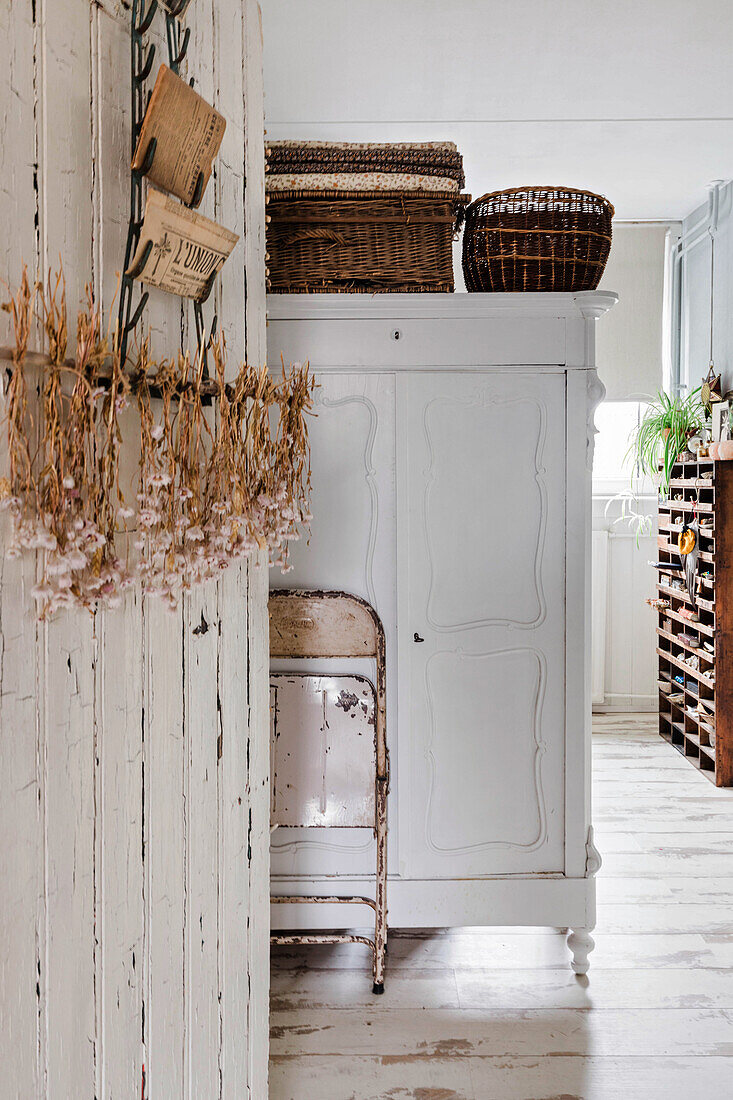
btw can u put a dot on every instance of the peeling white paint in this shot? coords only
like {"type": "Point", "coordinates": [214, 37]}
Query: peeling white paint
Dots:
{"type": "Point", "coordinates": [133, 751]}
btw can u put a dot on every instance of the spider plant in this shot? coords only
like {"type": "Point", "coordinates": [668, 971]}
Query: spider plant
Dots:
{"type": "Point", "coordinates": [662, 435]}
{"type": "Point", "coordinates": [638, 521]}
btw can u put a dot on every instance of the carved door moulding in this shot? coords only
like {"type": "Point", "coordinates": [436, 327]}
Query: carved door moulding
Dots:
{"type": "Point", "coordinates": [483, 398]}
{"type": "Point", "coordinates": [540, 747]}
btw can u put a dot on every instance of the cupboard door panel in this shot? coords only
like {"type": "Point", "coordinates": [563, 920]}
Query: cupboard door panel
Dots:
{"type": "Point", "coordinates": [475, 694]}
{"type": "Point", "coordinates": [494, 526]}
{"type": "Point", "coordinates": [351, 548]}
{"type": "Point", "coordinates": [482, 553]}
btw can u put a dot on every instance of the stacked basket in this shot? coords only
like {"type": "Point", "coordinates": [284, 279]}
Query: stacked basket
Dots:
{"type": "Point", "coordinates": [362, 217]}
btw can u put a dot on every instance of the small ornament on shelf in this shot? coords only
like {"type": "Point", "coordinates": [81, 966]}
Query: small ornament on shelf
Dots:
{"type": "Point", "coordinates": [710, 391]}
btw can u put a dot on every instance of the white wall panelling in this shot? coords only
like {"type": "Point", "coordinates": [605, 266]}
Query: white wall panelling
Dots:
{"type": "Point", "coordinates": [134, 754]}
{"type": "Point", "coordinates": [599, 610]}
{"type": "Point", "coordinates": [624, 669]}
{"type": "Point", "coordinates": [697, 293]}
{"type": "Point", "coordinates": [477, 424]}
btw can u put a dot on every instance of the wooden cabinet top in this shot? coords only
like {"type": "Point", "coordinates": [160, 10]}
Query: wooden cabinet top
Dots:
{"type": "Point", "coordinates": [587, 303]}
{"type": "Point", "coordinates": [424, 331]}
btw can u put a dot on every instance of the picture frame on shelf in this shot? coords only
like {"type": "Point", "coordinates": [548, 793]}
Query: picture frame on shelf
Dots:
{"type": "Point", "coordinates": [722, 426]}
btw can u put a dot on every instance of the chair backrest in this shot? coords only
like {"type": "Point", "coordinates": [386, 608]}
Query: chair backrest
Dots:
{"type": "Point", "coordinates": [322, 750]}
{"type": "Point", "coordinates": [323, 624]}
{"type": "Point", "coordinates": [307, 623]}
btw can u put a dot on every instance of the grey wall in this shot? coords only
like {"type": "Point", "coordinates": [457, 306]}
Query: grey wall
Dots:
{"type": "Point", "coordinates": [696, 294]}
{"type": "Point", "coordinates": [629, 336]}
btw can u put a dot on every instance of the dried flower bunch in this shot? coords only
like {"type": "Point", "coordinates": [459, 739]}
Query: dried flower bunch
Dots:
{"type": "Point", "coordinates": [217, 478]}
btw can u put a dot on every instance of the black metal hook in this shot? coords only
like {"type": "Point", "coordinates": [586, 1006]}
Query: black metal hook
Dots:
{"type": "Point", "coordinates": [178, 41]}
{"type": "Point", "coordinates": [203, 345]}
{"type": "Point", "coordinates": [209, 287]}
{"type": "Point", "coordinates": [135, 271]}
{"type": "Point", "coordinates": [145, 71]}
{"type": "Point", "coordinates": [177, 45]}
{"type": "Point", "coordinates": [146, 165]}
{"type": "Point", "coordinates": [182, 48]}
{"type": "Point", "coordinates": [138, 312]}
{"type": "Point", "coordinates": [197, 191]}
{"type": "Point", "coordinates": [147, 19]}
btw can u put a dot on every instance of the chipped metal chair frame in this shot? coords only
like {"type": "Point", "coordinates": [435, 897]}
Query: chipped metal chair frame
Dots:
{"type": "Point", "coordinates": [313, 624]}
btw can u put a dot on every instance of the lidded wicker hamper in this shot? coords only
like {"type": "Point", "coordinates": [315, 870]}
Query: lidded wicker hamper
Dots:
{"type": "Point", "coordinates": [358, 217]}
{"type": "Point", "coordinates": [536, 239]}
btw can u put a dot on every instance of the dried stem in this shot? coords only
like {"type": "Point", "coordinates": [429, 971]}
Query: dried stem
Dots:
{"type": "Point", "coordinates": [215, 482]}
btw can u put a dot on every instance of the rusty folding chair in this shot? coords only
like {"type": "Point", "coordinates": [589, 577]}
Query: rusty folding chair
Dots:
{"type": "Point", "coordinates": [330, 765]}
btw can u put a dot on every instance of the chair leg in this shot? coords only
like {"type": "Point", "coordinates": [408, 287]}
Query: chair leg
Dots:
{"type": "Point", "coordinates": [380, 923]}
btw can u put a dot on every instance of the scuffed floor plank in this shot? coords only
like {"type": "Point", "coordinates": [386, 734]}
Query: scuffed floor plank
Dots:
{"type": "Point", "coordinates": [415, 989]}
{"type": "Point", "coordinates": [517, 990]}
{"type": "Point", "coordinates": [370, 1079]}
{"type": "Point", "coordinates": [599, 1078]}
{"type": "Point", "coordinates": [543, 1033]}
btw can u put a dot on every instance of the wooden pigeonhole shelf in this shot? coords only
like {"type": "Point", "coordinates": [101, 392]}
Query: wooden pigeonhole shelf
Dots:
{"type": "Point", "coordinates": [706, 740]}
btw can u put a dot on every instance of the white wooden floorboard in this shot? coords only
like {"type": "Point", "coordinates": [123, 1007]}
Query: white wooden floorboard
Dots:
{"type": "Point", "coordinates": [563, 1078]}
{"type": "Point", "coordinates": [517, 990]}
{"type": "Point", "coordinates": [560, 1078]}
{"type": "Point", "coordinates": [505, 990]}
{"type": "Point", "coordinates": [471, 1014]}
{"type": "Point", "coordinates": [532, 1033]}
{"type": "Point", "coordinates": [312, 989]}
{"type": "Point", "coordinates": [621, 891]}
{"type": "Point", "coordinates": [370, 1078]}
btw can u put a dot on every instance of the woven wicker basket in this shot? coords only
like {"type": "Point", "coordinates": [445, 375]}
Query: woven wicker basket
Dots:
{"type": "Point", "coordinates": [330, 241]}
{"type": "Point", "coordinates": [383, 158]}
{"type": "Point", "coordinates": [536, 238]}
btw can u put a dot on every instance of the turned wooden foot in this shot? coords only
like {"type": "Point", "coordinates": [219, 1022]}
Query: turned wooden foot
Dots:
{"type": "Point", "coordinates": [581, 943]}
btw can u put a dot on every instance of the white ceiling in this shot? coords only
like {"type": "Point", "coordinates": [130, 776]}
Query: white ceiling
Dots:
{"type": "Point", "coordinates": [630, 99]}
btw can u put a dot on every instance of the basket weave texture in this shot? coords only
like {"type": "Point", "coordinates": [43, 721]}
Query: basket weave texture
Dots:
{"type": "Point", "coordinates": [536, 239]}
{"type": "Point", "coordinates": [436, 159]}
{"type": "Point", "coordinates": [336, 241]}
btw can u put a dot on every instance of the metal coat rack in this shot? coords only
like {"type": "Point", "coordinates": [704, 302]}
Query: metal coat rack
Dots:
{"type": "Point", "coordinates": [141, 64]}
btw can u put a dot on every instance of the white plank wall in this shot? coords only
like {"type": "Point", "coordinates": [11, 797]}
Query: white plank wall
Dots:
{"type": "Point", "coordinates": [133, 752]}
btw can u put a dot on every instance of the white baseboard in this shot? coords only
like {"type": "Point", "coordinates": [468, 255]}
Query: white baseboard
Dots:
{"type": "Point", "coordinates": [444, 903]}
{"type": "Point", "coordinates": [633, 703]}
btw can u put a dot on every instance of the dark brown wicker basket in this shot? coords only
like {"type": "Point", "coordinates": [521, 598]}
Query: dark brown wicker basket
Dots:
{"type": "Point", "coordinates": [536, 238]}
{"type": "Point", "coordinates": [321, 241]}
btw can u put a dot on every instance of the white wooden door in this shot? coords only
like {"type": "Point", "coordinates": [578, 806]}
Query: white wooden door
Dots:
{"type": "Point", "coordinates": [481, 493]}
